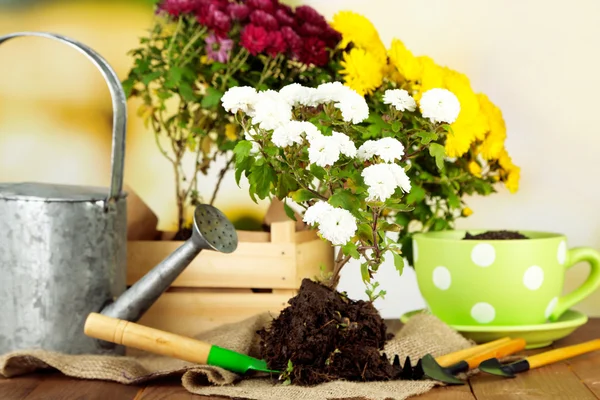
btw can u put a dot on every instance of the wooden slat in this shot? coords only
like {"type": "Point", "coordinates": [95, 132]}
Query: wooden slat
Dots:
{"type": "Point", "coordinates": [550, 382]}
{"type": "Point", "coordinates": [310, 256]}
{"type": "Point", "coordinates": [283, 232]}
{"type": "Point", "coordinates": [587, 366]}
{"type": "Point", "coordinates": [252, 265]}
{"type": "Point", "coordinates": [306, 236]}
{"type": "Point", "coordinates": [18, 388]}
{"type": "Point", "coordinates": [192, 313]}
{"type": "Point", "coordinates": [448, 393]}
{"type": "Point", "coordinates": [59, 387]}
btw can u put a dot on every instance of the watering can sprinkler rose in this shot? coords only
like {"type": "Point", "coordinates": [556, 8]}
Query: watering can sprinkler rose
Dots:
{"type": "Point", "coordinates": [63, 249]}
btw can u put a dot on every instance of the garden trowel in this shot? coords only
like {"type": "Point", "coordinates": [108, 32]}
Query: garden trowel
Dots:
{"type": "Point", "coordinates": [155, 341]}
{"type": "Point", "coordinates": [495, 367]}
{"type": "Point", "coordinates": [447, 373]}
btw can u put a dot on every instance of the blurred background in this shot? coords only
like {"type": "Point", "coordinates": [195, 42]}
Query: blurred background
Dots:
{"type": "Point", "coordinates": [537, 60]}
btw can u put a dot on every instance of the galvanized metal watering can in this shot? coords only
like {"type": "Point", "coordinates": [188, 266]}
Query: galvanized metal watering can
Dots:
{"type": "Point", "coordinates": [63, 249]}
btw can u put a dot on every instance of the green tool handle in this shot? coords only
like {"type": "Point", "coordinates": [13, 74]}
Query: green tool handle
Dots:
{"type": "Point", "coordinates": [152, 340]}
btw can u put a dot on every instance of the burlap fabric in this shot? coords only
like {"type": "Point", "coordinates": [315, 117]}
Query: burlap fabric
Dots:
{"type": "Point", "coordinates": [421, 335]}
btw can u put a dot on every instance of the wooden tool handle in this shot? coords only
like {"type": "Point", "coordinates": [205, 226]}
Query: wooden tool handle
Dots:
{"type": "Point", "coordinates": [563, 353]}
{"type": "Point", "coordinates": [502, 350]}
{"type": "Point", "coordinates": [155, 341]}
{"type": "Point", "coordinates": [452, 358]}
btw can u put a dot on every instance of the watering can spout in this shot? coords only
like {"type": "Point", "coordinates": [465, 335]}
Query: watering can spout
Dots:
{"type": "Point", "coordinates": [211, 231]}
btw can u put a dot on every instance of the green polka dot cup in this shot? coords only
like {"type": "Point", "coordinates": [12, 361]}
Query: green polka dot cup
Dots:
{"type": "Point", "coordinates": [499, 282]}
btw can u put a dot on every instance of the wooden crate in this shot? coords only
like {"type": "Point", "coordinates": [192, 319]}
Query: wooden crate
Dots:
{"type": "Point", "coordinates": [261, 275]}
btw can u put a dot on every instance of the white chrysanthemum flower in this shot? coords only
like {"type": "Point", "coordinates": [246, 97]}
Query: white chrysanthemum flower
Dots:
{"type": "Point", "coordinates": [330, 91]}
{"type": "Point", "coordinates": [323, 150]}
{"type": "Point", "coordinates": [295, 94]}
{"type": "Point", "coordinates": [353, 106]}
{"type": "Point", "coordinates": [402, 180]}
{"type": "Point", "coordinates": [440, 105]}
{"type": "Point", "coordinates": [290, 133]}
{"type": "Point", "coordinates": [399, 99]}
{"type": "Point", "coordinates": [338, 226]}
{"type": "Point", "coordinates": [314, 213]}
{"type": "Point", "coordinates": [271, 110]}
{"type": "Point", "coordinates": [366, 150]}
{"type": "Point", "coordinates": [239, 98]}
{"type": "Point", "coordinates": [388, 149]}
{"type": "Point", "coordinates": [346, 146]}
{"type": "Point", "coordinates": [380, 180]}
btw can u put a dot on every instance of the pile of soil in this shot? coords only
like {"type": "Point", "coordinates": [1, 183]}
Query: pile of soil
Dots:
{"type": "Point", "coordinates": [495, 235]}
{"type": "Point", "coordinates": [326, 336]}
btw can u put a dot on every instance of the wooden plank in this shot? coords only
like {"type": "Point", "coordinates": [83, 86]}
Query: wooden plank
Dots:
{"type": "Point", "coordinates": [252, 265]}
{"type": "Point", "coordinates": [550, 382]}
{"type": "Point", "coordinates": [448, 393]}
{"type": "Point", "coordinates": [192, 313]}
{"type": "Point", "coordinates": [60, 387]}
{"type": "Point", "coordinates": [19, 387]}
{"type": "Point", "coordinates": [283, 232]}
{"type": "Point", "coordinates": [306, 236]}
{"type": "Point", "coordinates": [309, 258]}
{"type": "Point", "coordinates": [587, 366]}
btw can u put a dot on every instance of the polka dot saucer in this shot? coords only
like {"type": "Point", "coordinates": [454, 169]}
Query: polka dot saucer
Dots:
{"type": "Point", "coordinates": [536, 336]}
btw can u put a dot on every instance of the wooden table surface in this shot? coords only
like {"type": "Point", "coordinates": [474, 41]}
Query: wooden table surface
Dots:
{"type": "Point", "coordinates": [577, 379]}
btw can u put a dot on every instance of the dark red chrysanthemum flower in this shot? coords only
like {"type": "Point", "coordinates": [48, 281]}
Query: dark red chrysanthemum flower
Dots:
{"type": "Point", "coordinates": [331, 37]}
{"type": "Point", "coordinates": [265, 5]}
{"type": "Point", "coordinates": [214, 16]}
{"type": "Point", "coordinates": [177, 7]}
{"type": "Point", "coordinates": [277, 43]}
{"type": "Point", "coordinates": [307, 29]}
{"type": "Point", "coordinates": [264, 19]}
{"type": "Point", "coordinates": [307, 14]}
{"type": "Point", "coordinates": [238, 11]}
{"type": "Point", "coordinates": [254, 39]}
{"type": "Point", "coordinates": [314, 52]}
{"type": "Point", "coordinates": [293, 40]}
{"type": "Point", "coordinates": [284, 17]}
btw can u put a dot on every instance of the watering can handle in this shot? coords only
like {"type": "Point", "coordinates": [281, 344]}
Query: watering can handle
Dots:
{"type": "Point", "coordinates": [119, 105]}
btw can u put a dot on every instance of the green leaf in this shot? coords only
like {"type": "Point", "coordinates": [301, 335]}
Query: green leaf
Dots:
{"type": "Point", "coordinates": [437, 150]}
{"type": "Point", "coordinates": [212, 97]}
{"type": "Point", "coordinates": [365, 232]}
{"type": "Point", "coordinates": [351, 249]}
{"type": "Point", "coordinates": [399, 207]}
{"type": "Point", "coordinates": [318, 172]}
{"type": "Point", "coordinates": [173, 77]}
{"type": "Point", "coordinates": [241, 166]}
{"type": "Point", "coordinates": [396, 126]}
{"type": "Point", "coordinates": [398, 262]}
{"type": "Point", "coordinates": [346, 200]}
{"type": "Point", "coordinates": [364, 272]}
{"type": "Point", "coordinates": [285, 184]}
{"type": "Point", "coordinates": [453, 199]}
{"type": "Point", "coordinates": [151, 76]}
{"type": "Point", "coordinates": [289, 211]}
{"type": "Point", "coordinates": [426, 136]}
{"type": "Point", "coordinates": [186, 91]}
{"type": "Point", "coordinates": [302, 195]}
{"type": "Point", "coordinates": [261, 178]}
{"type": "Point", "coordinates": [242, 149]}
{"type": "Point", "coordinates": [416, 195]}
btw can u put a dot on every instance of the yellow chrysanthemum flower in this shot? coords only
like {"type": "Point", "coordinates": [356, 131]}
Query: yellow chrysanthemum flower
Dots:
{"type": "Point", "coordinates": [362, 71]}
{"type": "Point", "coordinates": [475, 168]}
{"type": "Point", "coordinates": [231, 131]}
{"type": "Point", "coordinates": [358, 30]}
{"type": "Point", "coordinates": [407, 65]}
{"type": "Point", "coordinates": [432, 76]}
{"type": "Point", "coordinates": [493, 144]}
{"type": "Point", "coordinates": [458, 140]}
{"type": "Point", "coordinates": [512, 182]}
{"type": "Point", "coordinates": [513, 173]}
{"type": "Point", "coordinates": [467, 211]}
